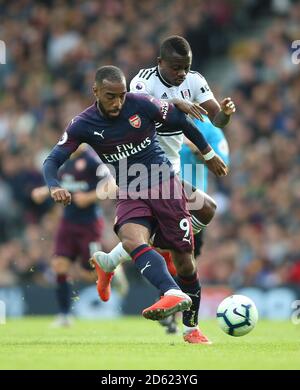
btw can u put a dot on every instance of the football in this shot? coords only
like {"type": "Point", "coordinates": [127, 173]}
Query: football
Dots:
{"type": "Point", "coordinates": [237, 315]}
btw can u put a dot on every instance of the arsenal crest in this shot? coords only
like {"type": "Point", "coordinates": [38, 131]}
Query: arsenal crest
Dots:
{"type": "Point", "coordinates": [135, 121]}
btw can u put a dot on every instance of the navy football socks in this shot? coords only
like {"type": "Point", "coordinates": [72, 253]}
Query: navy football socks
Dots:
{"type": "Point", "coordinates": [191, 286]}
{"type": "Point", "coordinates": [63, 294]}
{"type": "Point", "coordinates": [153, 267]}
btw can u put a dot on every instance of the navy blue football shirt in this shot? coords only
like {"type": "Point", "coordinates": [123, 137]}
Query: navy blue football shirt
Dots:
{"type": "Point", "coordinates": [125, 140]}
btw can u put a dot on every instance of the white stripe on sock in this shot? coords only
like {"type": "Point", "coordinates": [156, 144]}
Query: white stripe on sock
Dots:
{"type": "Point", "coordinates": [197, 225]}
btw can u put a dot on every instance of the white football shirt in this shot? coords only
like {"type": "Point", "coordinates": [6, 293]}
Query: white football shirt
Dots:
{"type": "Point", "coordinates": [194, 89]}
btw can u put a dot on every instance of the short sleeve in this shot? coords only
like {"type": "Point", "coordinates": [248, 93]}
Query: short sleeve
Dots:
{"type": "Point", "coordinates": [202, 91]}
{"type": "Point", "coordinates": [70, 140]}
{"type": "Point", "coordinates": [140, 85]}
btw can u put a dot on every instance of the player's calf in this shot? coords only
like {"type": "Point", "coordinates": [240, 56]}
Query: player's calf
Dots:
{"type": "Point", "coordinates": [60, 266]}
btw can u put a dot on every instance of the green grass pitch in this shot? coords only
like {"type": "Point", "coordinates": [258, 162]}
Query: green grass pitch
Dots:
{"type": "Point", "coordinates": [135, 343]}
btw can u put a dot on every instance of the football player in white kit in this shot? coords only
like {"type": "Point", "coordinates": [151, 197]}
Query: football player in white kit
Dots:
{"type": "Point", "coordinates": [173, 80]}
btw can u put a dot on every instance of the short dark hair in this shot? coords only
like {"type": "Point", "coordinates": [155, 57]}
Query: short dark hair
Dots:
{"type": "Point", "coordinates": [176, 44]}
{"type": "Point", "coordinates": [110, 73]}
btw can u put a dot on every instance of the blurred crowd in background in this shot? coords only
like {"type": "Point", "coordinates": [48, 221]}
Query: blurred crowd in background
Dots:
{"type": "Point", "coordinates": [53, 50]}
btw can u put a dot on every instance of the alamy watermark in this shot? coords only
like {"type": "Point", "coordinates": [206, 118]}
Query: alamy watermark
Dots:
{"type": "Point", "coordinates": [296, 52]}
{"type": "Point", "coordinates": [2, 53]}
{"type": "Point", "coordinates": [138, 181]}
{"type": "Point", "coordinates": [2, 313]}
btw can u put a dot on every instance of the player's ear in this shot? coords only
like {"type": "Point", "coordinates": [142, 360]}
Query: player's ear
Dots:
{"type": "Point", "coordinates": [159, 60]}
{"type": "Point", "coordinates": [95, 89]}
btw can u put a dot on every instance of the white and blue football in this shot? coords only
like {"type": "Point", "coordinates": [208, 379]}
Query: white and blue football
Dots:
{"type": "Point", "coordinates": [237, 315]}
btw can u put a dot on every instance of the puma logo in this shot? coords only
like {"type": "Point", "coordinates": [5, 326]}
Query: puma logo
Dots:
{"type": "Point", "coordinates": [146, 266]}
{"type": "Point", "coordinates": [101, 134]}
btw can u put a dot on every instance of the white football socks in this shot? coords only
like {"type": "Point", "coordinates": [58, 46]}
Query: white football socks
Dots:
{"type": "Point", "coordinates": [118, 255]}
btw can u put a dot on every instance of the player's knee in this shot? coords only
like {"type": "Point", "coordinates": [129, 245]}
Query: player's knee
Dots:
{"type": "Point", "coordinates": [131, 243]}
{"type": "Point", "coordinates": [128, 245]}
{"type": "Point", "coordinates": [132, 236]}
{"type": "Point", "coordinates": [210, 207]}
{"type": "Point", "coordinates": [206, 214]}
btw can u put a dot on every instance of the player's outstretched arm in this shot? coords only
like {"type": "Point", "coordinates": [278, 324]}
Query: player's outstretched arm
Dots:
{"type": "Point", "coordinates": [68, 143]}
{"type": "Point", "coordinates": [216, 165]}
{"type": "Point", "coordinates": [166, 113]}
{"type": "Point", "coordinates": [214, 162]}
{"type": "Point", "coordinates": [175, 119]}
{"type": "Point", "coordinates": [189, 108]}
{"type": "Point", "coordinates": [219, 114]}
{"type": "Point", "coordinates": [50, 169]}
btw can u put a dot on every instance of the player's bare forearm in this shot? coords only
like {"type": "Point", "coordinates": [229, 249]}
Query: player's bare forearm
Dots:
{"type": "Point", "coordinates": [215, 164]}
{"type": "Point", "coordinates": [227, 109]}
{"type": "Point", "coordinates": [189, 108]}
{"type": "Point", "coordinates": [219, 114]}
{"type": "Point", "coordinates": [221, 119]}
{"type": "Point", "coordinates": [210, 159]}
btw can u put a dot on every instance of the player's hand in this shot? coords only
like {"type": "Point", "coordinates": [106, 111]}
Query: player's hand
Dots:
{"type": "Point", "coordinates": [39, 195]}
{"type": "Point", "coordinates": [81, 199]}
{"type": "Point", "coordinates": [192, 109]}
{"type": "Point", "coordinates": [228, 106]}
{"type": "Point", "coordinates": [60, 195]}
{"type": "Point", "coordinates": [217, 166]}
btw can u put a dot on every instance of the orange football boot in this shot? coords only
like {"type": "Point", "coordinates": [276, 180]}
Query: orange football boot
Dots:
{"type": "Point", "coordinates": [195, 336]}
{"type": "Point", "coordinates": [173, 302]}
{"type": "Point", "coordinates": [103, 282]}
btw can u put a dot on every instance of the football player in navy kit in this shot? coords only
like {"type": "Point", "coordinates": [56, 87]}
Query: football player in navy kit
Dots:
{"type": "Point", "coordinates": [120, 127]}
{"type": "Point", "coordinates": [172, 80]}
{"type": "Point", "coordinates": [80, 228]}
